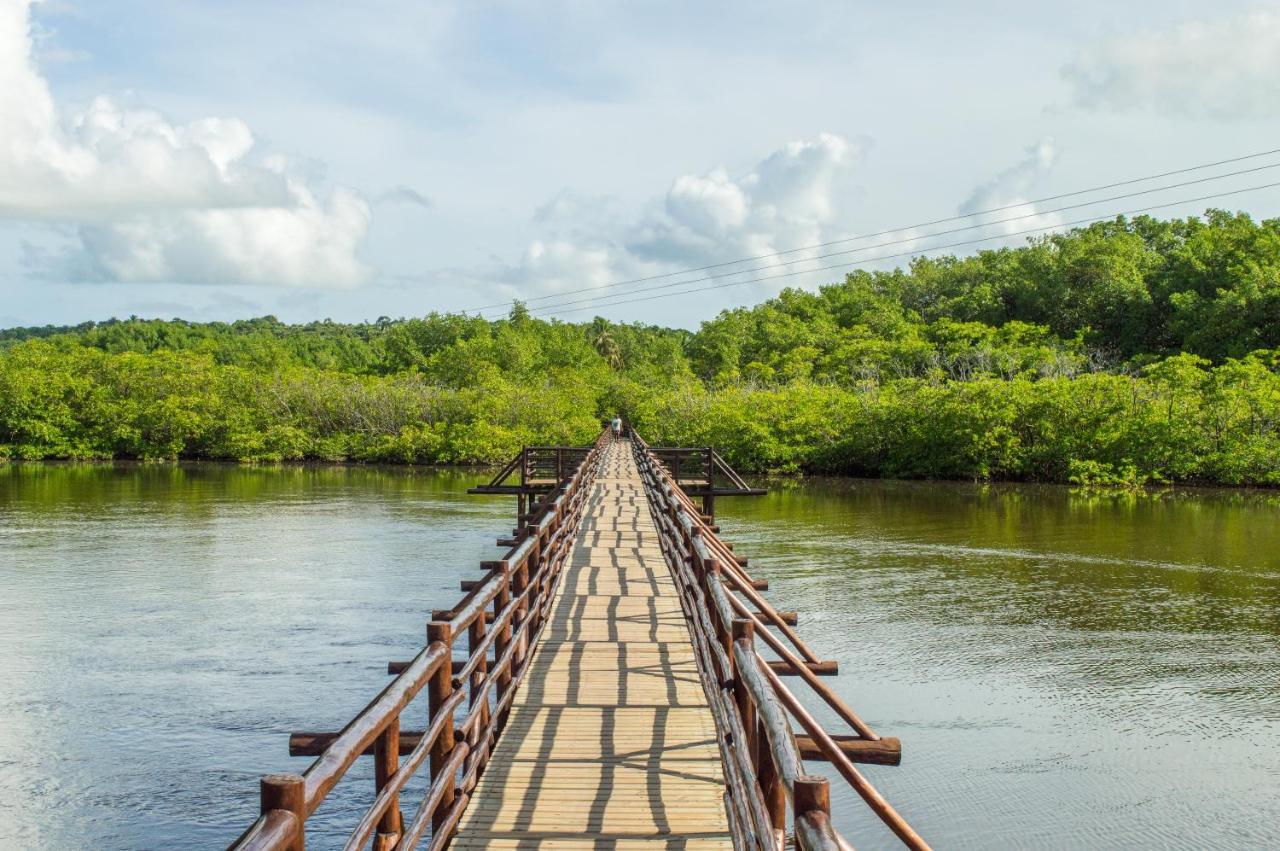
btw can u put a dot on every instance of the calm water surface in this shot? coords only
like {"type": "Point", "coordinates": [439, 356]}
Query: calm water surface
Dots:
{"type": "Point", "coordinates": [1065, 671]}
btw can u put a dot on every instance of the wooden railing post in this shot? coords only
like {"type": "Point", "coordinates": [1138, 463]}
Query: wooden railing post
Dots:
{"type": "Point", "coordinates": [438, 691]}
{"type": "Point", "coordinates": [556, 529]}
{"type": "Point", "coordinates": [386, 758]}
{"type": "Point", "coordinates": [286, 792]}
{"type": "Point", "coordinates": [709, 498]}
{"type": "Point", "coordinates": [475, 638]}
{"type": "Point", "coordinates": [725, 632]}
{"type": "Point", "coordinates": [744, 630]}
{"type": "Point", "coordinates": [519, 582]}
{"type": "Point", "coordinates": [503, 639]}
{"type": "Point", "coordinates": [692, 538]}
{"type": "Point", "coordinates": [811, 799]}
{"type": "Point", "coordinates": [771, 788]}
{"type": "Point", "coordinates": [536, 558]}
{"type": "Point", "coordinates": [811, 794]}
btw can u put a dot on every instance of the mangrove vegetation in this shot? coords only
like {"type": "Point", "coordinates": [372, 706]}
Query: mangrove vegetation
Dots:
{"type": "Point", "coordinates": [1125, 352]}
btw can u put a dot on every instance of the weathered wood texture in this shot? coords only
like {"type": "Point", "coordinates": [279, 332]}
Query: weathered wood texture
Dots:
{"type": "Point", "coordinates": [610, 741]}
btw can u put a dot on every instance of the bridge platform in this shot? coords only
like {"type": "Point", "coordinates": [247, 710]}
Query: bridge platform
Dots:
{"type": "Point", "coordinates": [610, 741]}
{"type": "Point", "coordinates": [614, 681]}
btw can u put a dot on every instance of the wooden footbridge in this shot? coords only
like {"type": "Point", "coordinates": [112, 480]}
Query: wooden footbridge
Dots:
{"type": "Point", "coordinates": [614, 681]}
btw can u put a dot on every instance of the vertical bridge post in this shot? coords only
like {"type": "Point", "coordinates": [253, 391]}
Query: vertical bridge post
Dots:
{"type": "Point", "coordinates": [286, 792]}
{"type": "Point", "coordinates": [438, 691]}
{"type": "Point", "coordinates": [386, 758]}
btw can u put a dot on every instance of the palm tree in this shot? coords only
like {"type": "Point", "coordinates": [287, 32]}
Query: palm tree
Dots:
{"type": "Point", "coordinates": [607, 347]}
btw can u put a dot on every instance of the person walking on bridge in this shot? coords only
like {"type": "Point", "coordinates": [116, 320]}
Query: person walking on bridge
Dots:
{"type": "Point", "coordinates": [617, 428]}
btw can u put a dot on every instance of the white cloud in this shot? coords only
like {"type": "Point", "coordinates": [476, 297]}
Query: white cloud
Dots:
{"type": "Point", "coordinates": [304, 244]}
{"type": "Point", "coordinates": [710, 204]}
{"type": "Point", "coordinates": [798, 180]}
{"type": "Point", "coordinates": [1009, 191]}
{"type": "Point", "coordinates": [559, 265]}
{"type": "Point", "coordinates": [157, 201]}
{"type": "Point", "coordinates": [1224, 68]}
{"type": "Point", "coordinates": [785, 201]}
{"type": "Point", "coordinates": [789, 199]}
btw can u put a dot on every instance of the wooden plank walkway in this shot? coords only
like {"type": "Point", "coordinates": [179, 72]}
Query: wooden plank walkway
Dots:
{"type": "Point", "coordinates": [610, 742]}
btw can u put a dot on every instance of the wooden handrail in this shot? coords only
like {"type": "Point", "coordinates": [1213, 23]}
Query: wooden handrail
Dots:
{"type": "Point", "coordinates": [801, 670]}
{"type": "Point", "coordinates": [368, 824]}
{"type": "Point", "coordinates": [273, 829]}
{"type": "Point", "coordinates": [362, 730]}
{"type": "Point", "coordinates": [503, 613]}
{"type": "Point", "coordinates": [739, 578]}
{"type": "Point", "coordinates": [422, 818]}
{"type": "Point", "coordinates": [749, 817]}
{"type": "Point", "coordinates": [763, 762]}
{"type": "Point", "coordinates": [814, 831]}
{"type": "Point", "coordinates": [689, 516]}
{"type": "Point", "coordinates": [831, 751]}
{"type": "Point", "coordinates": [723, 466]}
{"type": "Point", "coordinates": [779, 739]}
{"type": "Point", "coordinates": [703, 542]}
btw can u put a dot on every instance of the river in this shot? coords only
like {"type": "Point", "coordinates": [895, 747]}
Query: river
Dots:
{"type": "Point", "coordinates": [1064, 670]}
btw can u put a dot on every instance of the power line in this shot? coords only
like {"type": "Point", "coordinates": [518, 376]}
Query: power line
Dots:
{"type": "Point", "coordinates": [911, 253]}
{"type": "Point", "coordinates": [1043, 200]}
{"type": "Point", "coordinates": [917, 238]}
{"type": "Point", "coordinates": [905, 240]}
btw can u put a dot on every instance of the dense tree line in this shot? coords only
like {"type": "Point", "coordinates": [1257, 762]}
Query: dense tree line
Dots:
{"type": "Point", "coordinates": [1128, 351]}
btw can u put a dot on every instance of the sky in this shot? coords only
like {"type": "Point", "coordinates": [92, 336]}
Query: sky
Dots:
{"type": "Point", "coordinates": [223, 160]}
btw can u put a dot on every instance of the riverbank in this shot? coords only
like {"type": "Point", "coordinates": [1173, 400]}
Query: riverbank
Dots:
{"type": "Point", "coordinates": [479, 473]}
{"type": "Point", "coordinates": [1178, 421]}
